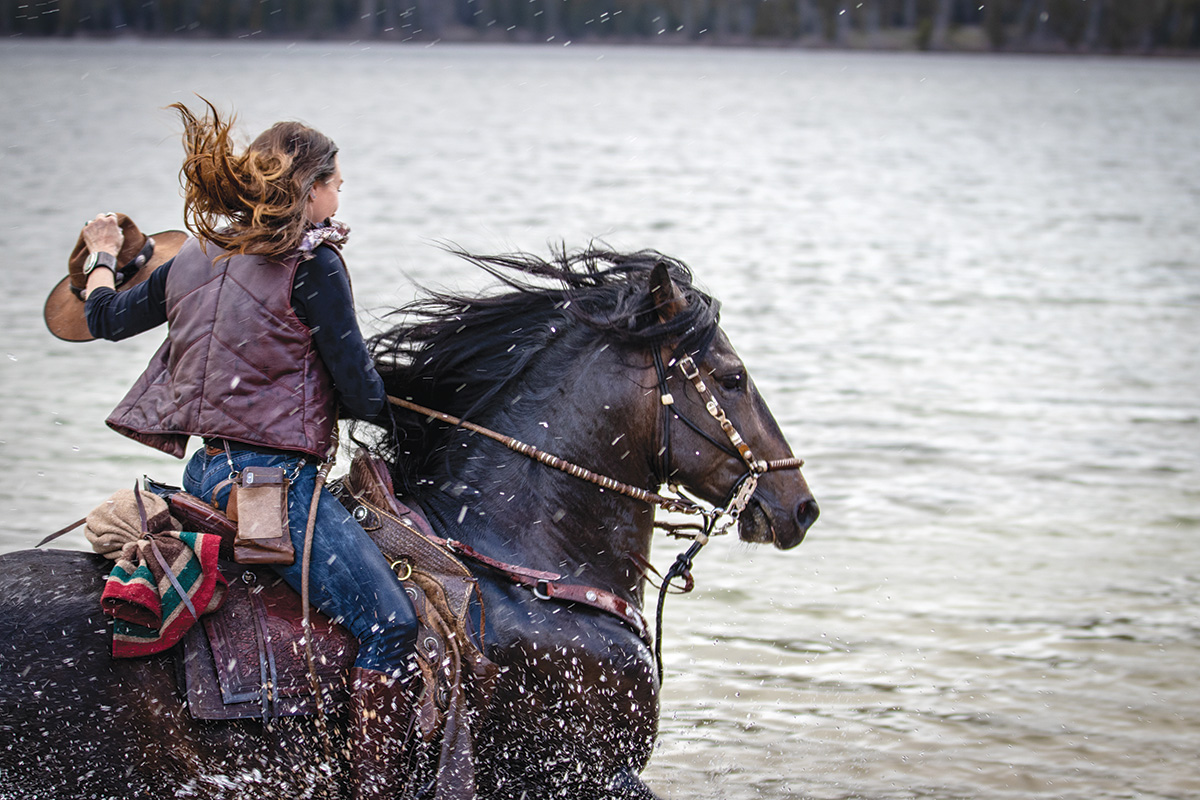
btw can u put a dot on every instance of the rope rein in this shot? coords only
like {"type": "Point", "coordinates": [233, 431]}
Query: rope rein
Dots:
{"type": "Point", "coordinates": [679, 505]}
{"type": "Point", "coordinates": [314, 683]}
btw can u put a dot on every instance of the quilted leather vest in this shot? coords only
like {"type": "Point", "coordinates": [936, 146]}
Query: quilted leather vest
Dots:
{"type": "Point", "coordinates": [237, 363]}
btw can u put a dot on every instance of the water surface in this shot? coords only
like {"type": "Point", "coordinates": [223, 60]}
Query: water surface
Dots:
{"type": "Point", "coordinates": [968, 286]}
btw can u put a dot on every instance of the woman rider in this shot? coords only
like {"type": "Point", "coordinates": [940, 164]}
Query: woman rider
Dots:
{"type": "Point", "coordinates": [263, 352]}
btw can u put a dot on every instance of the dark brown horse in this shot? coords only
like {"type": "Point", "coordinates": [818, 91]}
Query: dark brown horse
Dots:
{"type": "Point", "coordinates": [578, 357]}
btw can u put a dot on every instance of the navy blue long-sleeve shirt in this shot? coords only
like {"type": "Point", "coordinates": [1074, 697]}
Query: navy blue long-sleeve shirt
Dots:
{"type": "Point", "coordinates": [321, 298]}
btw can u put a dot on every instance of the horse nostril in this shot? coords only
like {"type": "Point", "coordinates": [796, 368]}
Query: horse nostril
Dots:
{"type": "Point", "coordinates": [807, 513]}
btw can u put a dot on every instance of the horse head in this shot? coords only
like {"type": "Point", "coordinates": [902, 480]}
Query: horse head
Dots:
{"type": "Point", "coordinates": [593, 368]}
{"type": "Point", "coordinates": [716, 426]}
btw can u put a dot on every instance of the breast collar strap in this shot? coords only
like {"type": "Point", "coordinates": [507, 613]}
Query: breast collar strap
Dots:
{"type": "Point", "coordinates": [548, 586]}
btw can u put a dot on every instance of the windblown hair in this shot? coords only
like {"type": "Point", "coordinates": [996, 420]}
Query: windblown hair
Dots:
{"type": "Point", "coordinates": [471, 355]}
{"type": "Point", "coordinates": [251, 202]}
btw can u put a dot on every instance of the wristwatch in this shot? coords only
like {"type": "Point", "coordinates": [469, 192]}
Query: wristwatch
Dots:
{"type": "Point", "coordinates": [99, 259]}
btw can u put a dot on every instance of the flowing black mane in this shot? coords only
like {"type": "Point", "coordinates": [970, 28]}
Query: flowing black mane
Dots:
{"type": "Point", "coordinates": [465, 354]}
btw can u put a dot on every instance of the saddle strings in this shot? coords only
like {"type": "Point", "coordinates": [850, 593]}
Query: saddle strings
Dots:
{"type": "Point", "coordinates": [314, 683]}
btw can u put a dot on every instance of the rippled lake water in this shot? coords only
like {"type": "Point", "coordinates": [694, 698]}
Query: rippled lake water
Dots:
{"type": "Point", "coordinates": [968, 286]}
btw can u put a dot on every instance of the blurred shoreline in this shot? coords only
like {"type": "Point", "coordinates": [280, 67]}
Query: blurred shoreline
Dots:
{"type": "Point", "coordinates": [965, 43]}
{"type": "Point", "coordinates": [1161, 28]}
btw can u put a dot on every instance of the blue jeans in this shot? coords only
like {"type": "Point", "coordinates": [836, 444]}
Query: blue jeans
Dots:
{"type": "Point", "coordinates": [349, 579]}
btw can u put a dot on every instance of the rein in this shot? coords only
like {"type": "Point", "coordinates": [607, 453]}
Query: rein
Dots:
{"type": "Point", "coordinates": [679, 505]}
{"type": "Point", "coordinates": [741, 492]}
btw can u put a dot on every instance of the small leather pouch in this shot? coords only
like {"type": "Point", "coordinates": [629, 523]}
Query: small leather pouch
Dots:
{"type": "Point", "coordinates": [259, 504]}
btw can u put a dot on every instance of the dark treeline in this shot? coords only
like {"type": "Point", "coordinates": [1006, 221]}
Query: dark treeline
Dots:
{"type": "Point", "coordinates": [1138, 26]}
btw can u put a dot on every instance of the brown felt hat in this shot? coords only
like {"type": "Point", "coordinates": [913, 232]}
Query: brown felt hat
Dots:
{"type": "Point", "coordinates": [140, 255]}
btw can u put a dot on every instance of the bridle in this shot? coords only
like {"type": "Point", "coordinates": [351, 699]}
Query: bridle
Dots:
{"type": "Point", "coordinates": [736, 501]}
{"type": "Point", "coordinates": [738, 497]}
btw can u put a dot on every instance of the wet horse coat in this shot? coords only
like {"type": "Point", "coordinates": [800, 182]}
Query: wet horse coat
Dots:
{"type": "Point", "coordinates": [566, 367]}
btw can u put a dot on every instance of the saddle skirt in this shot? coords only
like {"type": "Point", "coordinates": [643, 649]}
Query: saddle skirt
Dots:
{"type": "Point", "coordinates": [248, 659]}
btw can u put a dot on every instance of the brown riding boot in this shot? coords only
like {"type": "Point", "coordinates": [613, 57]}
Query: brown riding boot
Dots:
{"type": "Point", "coordinates": [382, 716]}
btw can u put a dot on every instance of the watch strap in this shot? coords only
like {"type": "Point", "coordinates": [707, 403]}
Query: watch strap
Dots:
{"type": "Point", "coordinates": [100, 259]}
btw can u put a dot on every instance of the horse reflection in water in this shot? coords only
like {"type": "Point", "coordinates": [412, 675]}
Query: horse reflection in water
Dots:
{"type": "Point", "coordinates": [564, 359]}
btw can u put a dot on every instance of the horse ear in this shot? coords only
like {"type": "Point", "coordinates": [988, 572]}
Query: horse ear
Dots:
{"type": "Point", "coordinates": [668, 300]}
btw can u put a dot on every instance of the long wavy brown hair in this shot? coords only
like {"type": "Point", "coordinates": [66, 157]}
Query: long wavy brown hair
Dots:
{"type": "Point", "coordinates": [252, 202]}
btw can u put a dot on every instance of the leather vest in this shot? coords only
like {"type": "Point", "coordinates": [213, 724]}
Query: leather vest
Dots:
{"type": "Point", "coordinates": [237, 363]}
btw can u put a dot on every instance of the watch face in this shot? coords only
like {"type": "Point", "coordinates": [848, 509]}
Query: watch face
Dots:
{"type": "Point", "coordinates": [90, 264]}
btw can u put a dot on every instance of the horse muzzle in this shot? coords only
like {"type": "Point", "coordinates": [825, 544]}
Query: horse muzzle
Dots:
{"type": "Point", "coordinates": [759, 525]}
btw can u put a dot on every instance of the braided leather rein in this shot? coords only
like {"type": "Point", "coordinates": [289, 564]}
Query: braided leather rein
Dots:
{"type": "Point", "coordinates": [680, 505]}
{"type": "Point", "coordinates": [669, 503]}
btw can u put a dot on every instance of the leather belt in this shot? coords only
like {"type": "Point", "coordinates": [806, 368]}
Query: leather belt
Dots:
{"type": "Point", "coordinates": [215, 446]}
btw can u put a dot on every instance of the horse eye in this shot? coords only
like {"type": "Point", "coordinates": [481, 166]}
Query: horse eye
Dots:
{"type": "Point", "coordinates": [733, 382]}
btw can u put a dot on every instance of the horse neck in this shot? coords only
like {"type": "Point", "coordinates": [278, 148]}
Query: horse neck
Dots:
{"type": "Point", "coordinates": [516, 509]}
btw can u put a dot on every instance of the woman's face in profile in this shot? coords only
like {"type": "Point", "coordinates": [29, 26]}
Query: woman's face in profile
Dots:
{"type": "Point", "coordinates": [323, 200]}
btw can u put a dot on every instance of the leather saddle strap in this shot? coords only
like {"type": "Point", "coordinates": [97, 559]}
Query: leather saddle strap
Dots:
{"type": "Point", "coordinates": [162, 562]}
{"type": "Point", "coordinates": [267, 674]}
{"type": "Point", "coordinates": [545, 585]}
{"type": "Point", "coordinates": [62, 531]}
{"type": "Point", "coordinates": [306, 618]}
{"type": "Point", "coordinates": [517, 574]}
{"type": "Point", "coordinates": [601, 599]}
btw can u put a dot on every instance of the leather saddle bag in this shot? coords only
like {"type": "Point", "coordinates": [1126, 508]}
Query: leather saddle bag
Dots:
{"type": "Point", "coordinates": [258, 503]}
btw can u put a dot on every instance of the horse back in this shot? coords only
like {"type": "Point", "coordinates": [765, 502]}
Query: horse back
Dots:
{"type": "Point", "coordinates": [51, 624]}
{"type": "Point", "coordinates": [65, 704]}
{"type": "Point", "coordinates": [76, 723]}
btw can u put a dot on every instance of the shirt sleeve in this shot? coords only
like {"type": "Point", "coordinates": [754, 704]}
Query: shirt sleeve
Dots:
{"type": "Point", "coordinates": [116, 315]}
{"type": "Point", "coordinates": [322, 299]}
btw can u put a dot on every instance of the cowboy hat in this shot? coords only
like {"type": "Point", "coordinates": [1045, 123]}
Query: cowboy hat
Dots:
{"type": "Point", "coordinates": [140, 255]}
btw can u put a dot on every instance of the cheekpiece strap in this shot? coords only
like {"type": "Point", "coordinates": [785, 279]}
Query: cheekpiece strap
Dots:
{"type": "Point", "coordinates": [692, 373]}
